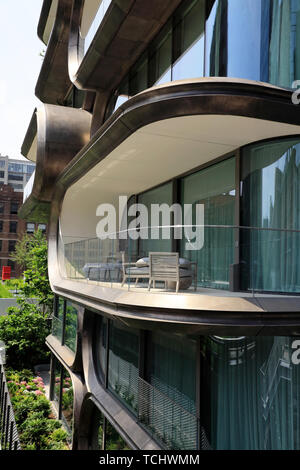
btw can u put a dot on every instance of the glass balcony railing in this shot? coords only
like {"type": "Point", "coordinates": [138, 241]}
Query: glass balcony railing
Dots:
{"type": "Point", "coordinates": [28, 188]}
{"type": "Point", "coordinates": [57, 328]}
{"type": "Point", "coordinates": [223, 257]}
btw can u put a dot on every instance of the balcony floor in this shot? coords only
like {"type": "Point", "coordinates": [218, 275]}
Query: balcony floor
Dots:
{"type": "Point", "coordinates": [142, 288]}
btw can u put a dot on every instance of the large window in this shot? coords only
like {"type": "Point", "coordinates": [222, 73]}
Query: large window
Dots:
{"type": "Point", "coordinates": [154, 376]}
{"type": "Point", "coordinates": [251, 39]}
{"type": "Point", "coordinates": [70, 332]}
{"type": "Point", "coordinates": [64, 322]}
{"type": "Point", "coordinates": [176, 53]}
{"type": "Point", "coordinates": [213, 187]}
{"type": "Point", "coordinates": [271, 205]}
{"type": "Point", "coordinates": [254, 39]}
{"type": "Point", "coordinates": [251, 393]}
{"type": "Point", "coordinates": [123, 364]}
{"type": "Point", "coordinates": [61, 393]}
{"type": "Point", "coordinates": [160, 240]}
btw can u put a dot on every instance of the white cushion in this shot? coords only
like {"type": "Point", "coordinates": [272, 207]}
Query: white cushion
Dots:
{"type": "Point", "coordinates": [142, 263]}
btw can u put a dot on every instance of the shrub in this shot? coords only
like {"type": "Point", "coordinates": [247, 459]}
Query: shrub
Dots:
{"type": "Point", "coordinates": [37, 429]}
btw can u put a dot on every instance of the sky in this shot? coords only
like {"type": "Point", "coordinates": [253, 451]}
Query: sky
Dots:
{"type": "Point", "coordinates": [20, 64]}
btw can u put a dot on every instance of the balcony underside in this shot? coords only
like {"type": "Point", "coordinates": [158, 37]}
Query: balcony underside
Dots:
{"type": "Point", "coordinates": [54, 136]}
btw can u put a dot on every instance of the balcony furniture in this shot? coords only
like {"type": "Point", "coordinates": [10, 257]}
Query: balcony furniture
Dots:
{"type": "Point", "coordinates": [166, 267]}
{"type": "Point", "coordinates": [107, 272]}
{"type": "Point", "coordinates": [138, 270]}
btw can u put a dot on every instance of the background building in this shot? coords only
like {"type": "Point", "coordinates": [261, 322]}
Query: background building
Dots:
{"type": "Point", "coordinates": [15, 172]}
{"type": "Point", "coordinates": [185, 102]}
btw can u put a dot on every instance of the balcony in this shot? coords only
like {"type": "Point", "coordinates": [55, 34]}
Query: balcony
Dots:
{"type": "Point", "coordinates": [88, 27]}
{"type": "Point", "coordinates": [218, 260]}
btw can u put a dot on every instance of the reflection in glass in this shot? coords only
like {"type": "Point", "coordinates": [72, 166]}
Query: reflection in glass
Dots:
{"type": "Point", "coordinates": [271, 200]}
{"type": "Point", "coordinates": [67, 400]}
{"type": "Point", "coordinates": [189, 43]}
{"type": "Point", "coordinates": [252, 384]}
{"type": "Point", "coordinates": [254, 39]}
{"type": "Point", "coordinates": [113, 439]}
{"type": "Point", "coordinates": [214, 187]}
{"type": "Point", "coordinates": [71, 326]}
{"type": "Point", "coordinates": [57, 319]}
{"type": "Point", "coordinates": [123, 364]}
{"type": "Point", "coordinates": [93, 14]}
{"type": "Point", "coordinates": [158, 240]}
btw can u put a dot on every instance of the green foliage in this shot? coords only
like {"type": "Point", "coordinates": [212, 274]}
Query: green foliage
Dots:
{"type": "Point", "coordinates": [37, 429]}
{"type": "Point", "coordinates": [4, 292]}
{"type": "Point", "coordinates": [23, 331]}
{"type": "Point", "coordinates": [25, 328]}
{"type": "Point", "coordinates": [31, 253]}
{"type": "Point", "coordinates": [13, 284]}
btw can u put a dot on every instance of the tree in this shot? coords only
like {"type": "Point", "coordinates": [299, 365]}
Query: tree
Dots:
{"type": "Point", "coordinates": [32, 254]}
{"type": "Point", "coordinates": [26, 326]}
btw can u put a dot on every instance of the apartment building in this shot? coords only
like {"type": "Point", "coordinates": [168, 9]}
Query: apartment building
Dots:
{"type": "Point", "coordinates": [181, 332]}
{"type": "Point", "coordinates": [15, 172]}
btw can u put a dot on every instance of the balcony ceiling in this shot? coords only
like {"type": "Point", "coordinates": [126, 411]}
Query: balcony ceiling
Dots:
{"type": "Point", "coordinates": [157, 153]}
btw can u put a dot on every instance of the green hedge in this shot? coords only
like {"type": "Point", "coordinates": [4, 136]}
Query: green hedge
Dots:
{"type": "Point", "coordinates": [37, 427]}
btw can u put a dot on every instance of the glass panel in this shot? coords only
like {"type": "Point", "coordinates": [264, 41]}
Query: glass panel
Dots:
{"type": "Point", "coordinates": [161, 58]}
{"type": "Point", "coordinates": [167, 405]}
{"type": "Point", "coordinates": [139, 77]}
{"type": "Point", "coordinates": [96, 437]}
{"type": "Point", "coordinates": [67, 401]}
{"type": "Point", "coordinates": [189, 43]}
{"type": "Point", "coordinates": [253, 389]}
{"type": "Point", "coordinates": [173, 368]}
{"type": "Point", "coordinates": [102, 349]}
{"type": "Point", "coordinates": [57, 319]}
{"type": "Point", "coordinates": [56, 381]}
{"type": "Point", "coordinates": [213, 187]}
{"type": "Point", "coordinates": [271, 200]}
{"type": "Point", "coordinates": [113, 440]}
{"type": "Point", "coordinates": [123, 364]}
{"type": "Point", "coordinates": [71, 326]}
{"type": "Point", "coordinates": [160, 195]}
{"type": "Point", "coordinates": [254, 39]}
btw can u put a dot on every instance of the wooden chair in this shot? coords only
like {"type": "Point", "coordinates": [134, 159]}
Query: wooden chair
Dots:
{"type": "Point", "coordinates": [165, 267]}
{"type": "Point", "coordinates": [130, 270]}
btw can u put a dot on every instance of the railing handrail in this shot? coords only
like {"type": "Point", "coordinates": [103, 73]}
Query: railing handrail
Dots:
{"type": "Point", "coordinates": [152, 227]}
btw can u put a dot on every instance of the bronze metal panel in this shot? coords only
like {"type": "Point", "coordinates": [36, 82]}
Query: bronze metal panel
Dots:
{"type": "Point", "coordinates": [61, 132]}
{"type": "Point", "coordinates": [54, 81]}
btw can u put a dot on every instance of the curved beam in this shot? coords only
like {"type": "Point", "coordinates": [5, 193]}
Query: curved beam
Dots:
{"type": "Point", "coordinates": [54, 81]}
{"type": "Point", "coordinates": [58, 133]}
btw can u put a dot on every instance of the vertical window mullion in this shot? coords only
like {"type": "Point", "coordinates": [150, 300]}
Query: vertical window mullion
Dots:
{"type": "Point", "coordinates": [64, 323]}
{"type": "Point", "coordinates": [107, 354]}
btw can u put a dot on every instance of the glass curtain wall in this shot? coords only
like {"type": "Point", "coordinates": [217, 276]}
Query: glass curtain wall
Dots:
{"type": "Point", "coordinates": [214, 187]}
{"type": "Point", "coordinates": [168, 407]}
{"type": "Point", "coordinates": [254, 39]}
{"type": "Point", "coordinates": [123, 371]}
{"type": "Point", "coordinates": [156, 240]}
{"type": "Point", "coordinates": [271, 200]}
{"type": "Point", "coordinates": [104, 436]}
{"type": "Point", "coordinates": [176, 53]}
{"type": "Point", "coordinates": [57, 319]}
{"type": "Point", "coordinates": [250, 39]}
{"type": "Point", "coordinates": [71, 326]}
{"type": "Point", "coordinates": [254, 393]}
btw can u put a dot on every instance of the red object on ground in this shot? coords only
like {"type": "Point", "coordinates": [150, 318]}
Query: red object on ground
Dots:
{"type": "Point", "coordinates": [6, 271]}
